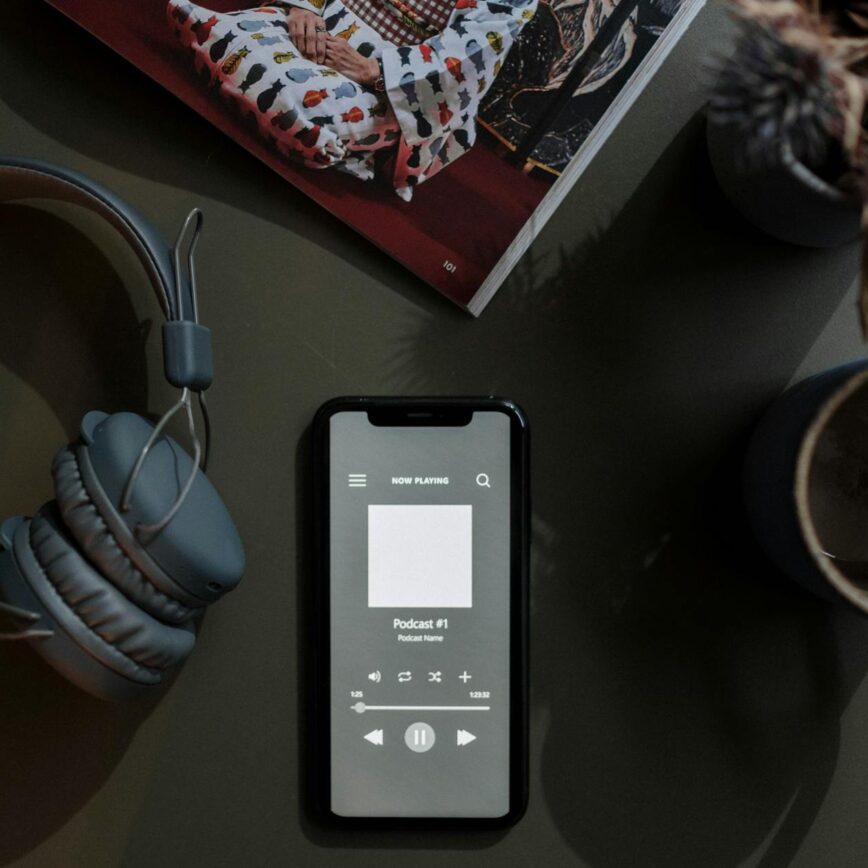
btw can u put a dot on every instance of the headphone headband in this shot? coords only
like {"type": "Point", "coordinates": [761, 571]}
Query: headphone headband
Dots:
{"type": "Point", "coordinates": [186, 344]}
{"type": "Point", "coordinates": [107, 580]}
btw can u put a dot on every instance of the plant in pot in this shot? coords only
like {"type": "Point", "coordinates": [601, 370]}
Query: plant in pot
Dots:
{"type": "Point", "coordinates": [786, 120]}
{"type": "Point", "coordinates": [788, 141]}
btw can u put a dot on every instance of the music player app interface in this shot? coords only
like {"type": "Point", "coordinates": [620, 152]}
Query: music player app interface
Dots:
{"type": "Point", "coordinates": [419, 604]}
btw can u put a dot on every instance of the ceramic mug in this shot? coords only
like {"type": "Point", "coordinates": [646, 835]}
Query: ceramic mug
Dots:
{"type": "Point", "coordinates": [806, 483]}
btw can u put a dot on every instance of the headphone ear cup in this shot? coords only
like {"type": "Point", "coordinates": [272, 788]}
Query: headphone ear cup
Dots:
{"type": "Point", "coordinates": [93, 611]}
{"type": "Point", "coordinates": [199, 552]}
{"type": "Point", "coordinates": [142, 582]}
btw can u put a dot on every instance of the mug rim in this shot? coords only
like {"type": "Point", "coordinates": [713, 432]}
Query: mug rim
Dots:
{"type": "Point", "coordinates": [804, 458]}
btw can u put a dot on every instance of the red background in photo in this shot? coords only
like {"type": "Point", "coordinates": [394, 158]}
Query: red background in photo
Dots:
{"type": "Point", "coordinates": [467, 215]}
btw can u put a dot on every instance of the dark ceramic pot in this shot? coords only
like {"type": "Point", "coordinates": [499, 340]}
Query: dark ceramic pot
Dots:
{"type": "Point", "coordinates": [785, 199]}
{"type": "Point", "coordinates": [799, 456]}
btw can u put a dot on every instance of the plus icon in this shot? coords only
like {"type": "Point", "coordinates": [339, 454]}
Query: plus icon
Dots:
{"type": "Point", "coordinates": [465, 677]}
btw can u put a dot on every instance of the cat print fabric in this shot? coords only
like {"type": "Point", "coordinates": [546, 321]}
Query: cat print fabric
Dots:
{"type": "Point", "coordinates": [310, 113]}
{"type": "Point", "coordinates": [435, 88]}
{"type": "Point", "coordinates": [319, 117]}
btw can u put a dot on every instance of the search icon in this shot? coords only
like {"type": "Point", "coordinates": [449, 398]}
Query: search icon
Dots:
{"type": "Point", "coordinates": [482, 479]}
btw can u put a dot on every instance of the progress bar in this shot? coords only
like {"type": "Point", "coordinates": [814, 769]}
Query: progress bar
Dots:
{"type": "Point", "coordinates": [361, 708]}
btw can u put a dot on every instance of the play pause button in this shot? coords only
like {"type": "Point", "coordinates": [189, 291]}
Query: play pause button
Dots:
{"type": "Point", "coordinates": [419, 737]}
{"type": "Point", "coordinates": [464, 737]}
{"type": "Point", "coordinates": [375, 736]}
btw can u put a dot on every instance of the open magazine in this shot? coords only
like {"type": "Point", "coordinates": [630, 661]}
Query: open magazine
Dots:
{"type": "Point", "coordinates": [445, 131]}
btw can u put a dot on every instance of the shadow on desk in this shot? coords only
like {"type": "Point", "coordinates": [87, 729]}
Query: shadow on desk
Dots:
{"type": "Point", "coordinates": [686, 700]}
{"type": "Point", "coordinates": [58, 747]}
{"type": "Point", "coordinates": [66, 322]}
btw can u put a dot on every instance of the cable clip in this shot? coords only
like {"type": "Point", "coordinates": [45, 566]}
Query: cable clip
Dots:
{"type": "Point", "coordinates": [188, 363]}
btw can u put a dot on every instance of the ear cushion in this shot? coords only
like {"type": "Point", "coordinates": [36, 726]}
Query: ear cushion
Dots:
{"type": "Point", "coordinates": [98, 605]}
{"type": "Point", "coordinates": [138, 582]}
{"type": "Point", "coordinates": [76, 652]}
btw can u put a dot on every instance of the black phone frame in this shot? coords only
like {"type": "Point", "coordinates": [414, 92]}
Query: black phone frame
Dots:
{"type": "Point", "coordinates": [413, 412]}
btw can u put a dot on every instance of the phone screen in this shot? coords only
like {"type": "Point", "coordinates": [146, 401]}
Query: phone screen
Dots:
{"type": "Point", "coordinates": [419, 617]}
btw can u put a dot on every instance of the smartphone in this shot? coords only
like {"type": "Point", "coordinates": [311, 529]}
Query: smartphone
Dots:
{"type": "Point", "coordinates": [422, 611]}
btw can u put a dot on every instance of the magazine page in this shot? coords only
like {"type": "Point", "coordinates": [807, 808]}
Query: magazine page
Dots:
{"type": "Point", "coordinates": [435, 128]}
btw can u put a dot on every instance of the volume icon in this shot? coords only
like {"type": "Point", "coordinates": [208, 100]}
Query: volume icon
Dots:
{"type": "Point", "coordinates": [376, 677]}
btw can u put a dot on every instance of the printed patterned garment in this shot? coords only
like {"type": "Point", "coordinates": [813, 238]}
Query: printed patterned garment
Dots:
{"type": "Point", "coordinates": [319, 117]}
{"type": "Point", "coordinates": [309, 112]}
{"type": "Point", "coordinates": [435, 88]}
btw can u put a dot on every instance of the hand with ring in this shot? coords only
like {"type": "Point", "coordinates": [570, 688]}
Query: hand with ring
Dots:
{"type": "Point", "coordinates": [308, 32]}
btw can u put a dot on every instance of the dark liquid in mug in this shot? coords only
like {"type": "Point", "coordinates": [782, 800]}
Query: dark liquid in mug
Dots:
{"type": "Point", "coordinates": [838, 488]}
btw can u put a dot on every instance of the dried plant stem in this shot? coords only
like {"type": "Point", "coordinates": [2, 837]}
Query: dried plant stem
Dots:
{"type": "Point", "coordinates": [862, 304]}
{"type": "Point", "coordinates": [854, 89]}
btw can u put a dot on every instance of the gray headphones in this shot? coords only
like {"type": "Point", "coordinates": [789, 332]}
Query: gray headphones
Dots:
{"type": "Point", "coordinates": [107, 580]}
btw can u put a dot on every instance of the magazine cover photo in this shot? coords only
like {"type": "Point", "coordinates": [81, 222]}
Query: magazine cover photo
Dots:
{"type": "Point", "coordinates": [435, 128]}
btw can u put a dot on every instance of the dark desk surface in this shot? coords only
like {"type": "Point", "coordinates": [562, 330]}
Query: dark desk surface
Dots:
{"type": "Point", "coordinates": [687, 708]}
